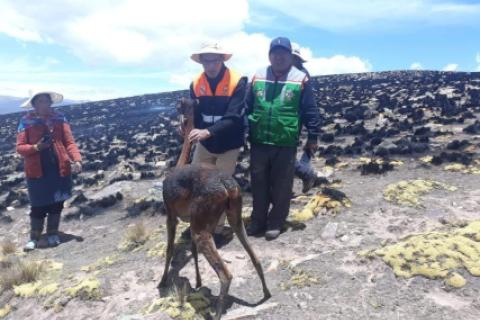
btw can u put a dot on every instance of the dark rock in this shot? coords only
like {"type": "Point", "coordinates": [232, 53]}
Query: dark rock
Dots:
{"type": "Point", "coordinates": [331, 161]}
{"type": "Point", "coordinates": [373, 167]}
{"type": "Point", "coordinates": [327, 137]}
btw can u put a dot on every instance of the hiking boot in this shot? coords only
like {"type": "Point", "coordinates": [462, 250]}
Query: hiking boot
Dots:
{"type": "Point", "coordinates": [272, 234]}
{"type": "Point", "coordinates": [254, 229]}
{"type": "Point", "coordinates": [223, 236]}
{"type": "Point", "coordinates": [53, 240]}
{"type": "Point", "coordinates": [31, 245]}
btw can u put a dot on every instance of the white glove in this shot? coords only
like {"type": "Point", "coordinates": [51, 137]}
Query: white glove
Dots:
{"type": "Point", "coordinates": [76, 167]}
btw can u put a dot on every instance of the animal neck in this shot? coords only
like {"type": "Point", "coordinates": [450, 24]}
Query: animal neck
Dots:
{"type": "Point", "coordinates": [187, 145]}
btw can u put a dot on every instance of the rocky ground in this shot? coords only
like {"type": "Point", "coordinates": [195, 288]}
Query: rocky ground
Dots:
{"type": "Point", "coordinates": [379, 129]}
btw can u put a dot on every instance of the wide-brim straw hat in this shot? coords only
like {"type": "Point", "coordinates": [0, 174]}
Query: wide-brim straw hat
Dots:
{"type": "Point", "coordinates": [211, 48]}
{"type": "Point", "coordinates": [296, 52]}
{"type": "Point", "coordinates": [54, 96]}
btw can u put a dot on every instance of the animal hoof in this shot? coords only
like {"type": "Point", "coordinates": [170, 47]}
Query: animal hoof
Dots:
{"type": "Point", "coordinates": [162, 285]}
{"type": "Point", "coordinates": [267, 295]}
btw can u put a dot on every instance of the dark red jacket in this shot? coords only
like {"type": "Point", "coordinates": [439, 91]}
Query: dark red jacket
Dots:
{"type": "Point", "coordinates": [31, 130]}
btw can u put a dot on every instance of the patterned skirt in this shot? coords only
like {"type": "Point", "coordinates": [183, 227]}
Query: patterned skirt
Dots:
{"type": "Point", "coordinates": [51, 187]}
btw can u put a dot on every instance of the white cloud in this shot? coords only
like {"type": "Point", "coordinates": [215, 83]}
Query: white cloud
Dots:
{"type": "Point", "coordinates": [15, 24]}
{"type": "Point", "coordinates": [161, 33]}
{"type": "Point", "coordinates": [70, 91]}
{"type": "Point", "coordinates": [374, 14]}
{"type": "Point", "coordinates": [336, 64]}
{"type": "Point", "coordinates": [416, 66]}
{"type": "Point", "coordinates": [157, 36]}
{"type": "Point", "coordinates": [451, 67]}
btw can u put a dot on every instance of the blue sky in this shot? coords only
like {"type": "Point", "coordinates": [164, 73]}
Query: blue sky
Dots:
{"type": "Point", "coordinates": [106, 49]}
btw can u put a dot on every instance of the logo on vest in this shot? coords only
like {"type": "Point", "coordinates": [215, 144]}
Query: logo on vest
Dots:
{"type": "Point", "coordinates": [225, 90]}
{"type": "Point", "coordinates": [260, 93]}
{"type": "Point", "coordinates": [289, 95]}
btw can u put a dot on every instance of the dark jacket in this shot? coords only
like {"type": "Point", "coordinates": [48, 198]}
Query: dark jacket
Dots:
{"type": "Point", "coordinates": [222, 114]}
{"type": "Point", "coordinates": [308, 111]}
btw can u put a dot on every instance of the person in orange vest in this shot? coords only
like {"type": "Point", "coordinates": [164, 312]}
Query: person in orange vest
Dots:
{"type": "Point", "coordinates": [218, 94]}
{"type": "Point", "coordinates": [50, 154]}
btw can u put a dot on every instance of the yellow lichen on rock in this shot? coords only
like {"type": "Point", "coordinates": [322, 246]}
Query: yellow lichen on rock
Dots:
{"type": "Point", "coordinates": [300, 279]}
{"type": "Point", "coordinates": [456, 280]}
{"type": "Point", "coordinates": [455, 167]}
{"type": "Point", "coordinates": [458, 167]}
{"type": "Point", "coordinates": [28, 290]}
{"type": "Point", "coordinates": [435, 254]}
{"type": "Point", "coordinates": [365, 160]}
{"type": "Point", "coordinates": [87, 289]}
{"type": "Point", "coordinates": [315, 205]}
{"type": "Point", "coordinates": [100, 263]}
{"type": "Point", "coordinates": [408, 192]}
{"type": "Point", "coordinates": [199, 301]}
{"type": "Point", "coordinates": [49, 265]}
{"type": "Point", "coordinates": [158, 250]}
{"type": "Point", "coordinates": [172, 307]}
{"type": "Point", "coordinates": [181, 227]}
{"type": "Point", "coordinates": [182, 305]}
{"type": "Point", "coordinates": [48, 289]}
{"type": "Point", "coordinates": [426, 159]}
{"type": "Point", "coordinates": [5, 311]}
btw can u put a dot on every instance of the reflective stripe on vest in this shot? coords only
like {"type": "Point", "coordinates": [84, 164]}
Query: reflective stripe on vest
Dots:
{"type": "Point", "coordinates": [210, 119]}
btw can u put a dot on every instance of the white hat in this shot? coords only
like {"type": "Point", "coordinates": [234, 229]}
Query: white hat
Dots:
{"type": "Point", "coordinates": [55, 97]}
{"type": "Point", "coordinates": [296, 52]}
{"type": "Point", "coordinates": [211, 48]}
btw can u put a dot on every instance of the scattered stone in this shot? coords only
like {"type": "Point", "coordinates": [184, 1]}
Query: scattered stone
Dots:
{"type": "Point", "coordinates": [330, 231]}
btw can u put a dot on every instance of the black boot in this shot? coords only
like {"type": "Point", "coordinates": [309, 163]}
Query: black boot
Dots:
{"type": "Point", "coordinates": [53, 222]}
{"type": "Point", "coordinates": [36, 228]}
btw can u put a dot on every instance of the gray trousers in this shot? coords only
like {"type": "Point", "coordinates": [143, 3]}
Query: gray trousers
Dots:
{"type": "Point", "coordinates": [272, 169]}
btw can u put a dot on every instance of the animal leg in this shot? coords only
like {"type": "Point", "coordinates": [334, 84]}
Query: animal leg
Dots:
{"type": "Point", "coordinates": [206, 246]}
{"type": "Point", "coordinates": [195, 258]}
{"type": "Point", "coordinates": [171, 229]}
{"type": "Point", "coordinates": [234, 217]}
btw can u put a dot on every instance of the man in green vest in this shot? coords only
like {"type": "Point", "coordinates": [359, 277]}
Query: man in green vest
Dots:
{"type": "Point", "coordinates": [279, 101]}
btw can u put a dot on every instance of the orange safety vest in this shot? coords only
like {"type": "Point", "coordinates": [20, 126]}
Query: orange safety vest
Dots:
{"type": "Point", "coordinates": [225, 87]}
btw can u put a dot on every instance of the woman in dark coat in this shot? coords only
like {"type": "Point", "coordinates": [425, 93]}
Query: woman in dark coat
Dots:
{"type": "Point", "coordinates": [45, 141]}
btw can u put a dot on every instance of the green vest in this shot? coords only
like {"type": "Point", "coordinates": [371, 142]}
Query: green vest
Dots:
{"type": "Point", "coordinates": [275, 117]}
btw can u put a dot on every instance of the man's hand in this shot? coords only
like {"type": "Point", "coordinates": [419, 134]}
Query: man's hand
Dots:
{"type": "Point", "coordinates": [311, 147]}
{"type": "Point", "coordinates": [198, 135]}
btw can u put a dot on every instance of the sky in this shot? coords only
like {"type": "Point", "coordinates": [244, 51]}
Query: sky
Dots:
{"type": "Point", "coordinates": [94, 50]}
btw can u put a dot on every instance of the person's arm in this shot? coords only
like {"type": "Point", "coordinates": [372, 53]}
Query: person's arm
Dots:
{"type": "Point", "coordinates": [23, 147]}
{"type": "Point", "coordinates": [249, 99]}
{"type": "Point", "coordinates": [310, 113]}
{"type": "Point", "coordinates": [69, 143]}
{"type": "Point", "coordinates": [235, 110]}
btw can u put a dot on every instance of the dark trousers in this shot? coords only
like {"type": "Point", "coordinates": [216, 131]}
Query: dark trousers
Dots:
{"type": "Point", "coordinates": [272, 169]}
{"type": "Point", "coordinates": [37, 218]}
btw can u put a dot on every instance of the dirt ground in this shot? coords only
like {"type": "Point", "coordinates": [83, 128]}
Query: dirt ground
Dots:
{"type": "Point", "coordinates": [316, 269]}
{"type": "Point", "coordinates": [342, 284]}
